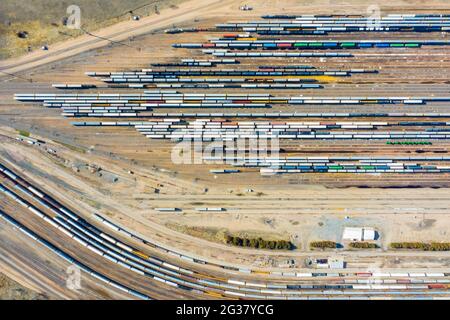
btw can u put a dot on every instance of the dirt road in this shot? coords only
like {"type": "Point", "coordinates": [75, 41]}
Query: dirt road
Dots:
{"type": "Point", "coordinates": [118, 32]}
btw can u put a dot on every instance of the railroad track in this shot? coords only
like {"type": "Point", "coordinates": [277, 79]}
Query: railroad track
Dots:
{"type": "Point", "coordinates": [107, 246]}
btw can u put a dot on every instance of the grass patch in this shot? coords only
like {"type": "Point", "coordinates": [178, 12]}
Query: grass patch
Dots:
{"type": "Point", "coordinates": [24, 133]}
{"type": "Point", "coordinates": [246, 239]}
{"type": "Point", "coordinates": [71, 147]}
{"type": "Point", "coordinates": [197, 203]}
{"type": "Point", "coordinates": [210, 234]}
{"type": "Point", "coordinates": [93, 203]}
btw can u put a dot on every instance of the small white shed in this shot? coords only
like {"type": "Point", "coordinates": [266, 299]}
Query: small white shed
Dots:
{"type": "Point", "coordinates": [369, 234]}
{"type": "Point", "coordinates": [359, 234]}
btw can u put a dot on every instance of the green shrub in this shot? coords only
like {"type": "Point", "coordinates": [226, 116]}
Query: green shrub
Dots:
{"type": "Point", "coordinates": [363, 245]}
{"type": "Point", "coordinates": [323, 244]}
{"type": "Point", "coordinates": [433, 246]}
{"type": "Point", "coordinates": [24, 133]}
{"type": "Point", "coordinates": [439, 246]}
{"type": "Point", "coordinates": [258, 243]}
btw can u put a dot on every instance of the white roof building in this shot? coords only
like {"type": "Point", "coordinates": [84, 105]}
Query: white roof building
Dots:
{"type": "Point", "coordinates": [336, 264]}
{"type": "Point", "coordinates": [369, 234]}
{"type": "Point", "coordinates": [359, 234]}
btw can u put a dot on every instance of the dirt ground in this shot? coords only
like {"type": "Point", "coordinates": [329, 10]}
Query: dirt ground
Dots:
{"type": "Point", "coordinates": [43, 20]}
{"type": "Point", "coordinates": [11, 290]}
{"type": "Point", "coordinates": [304, 214]}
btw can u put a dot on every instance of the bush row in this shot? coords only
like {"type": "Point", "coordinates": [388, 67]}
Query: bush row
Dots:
{"type": "Point", "coordinates": [323, 244]}
{"type": "Point", "coordinates": [363, 245]}
{"type": "Point", "coordinates": [24, 133]}
{"type": "Point", "coordinates": [259, 243]}
{"type": "Point", "coordinates": [410, 142]}
{"type": "Point", "coordinates": [433, 246]}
